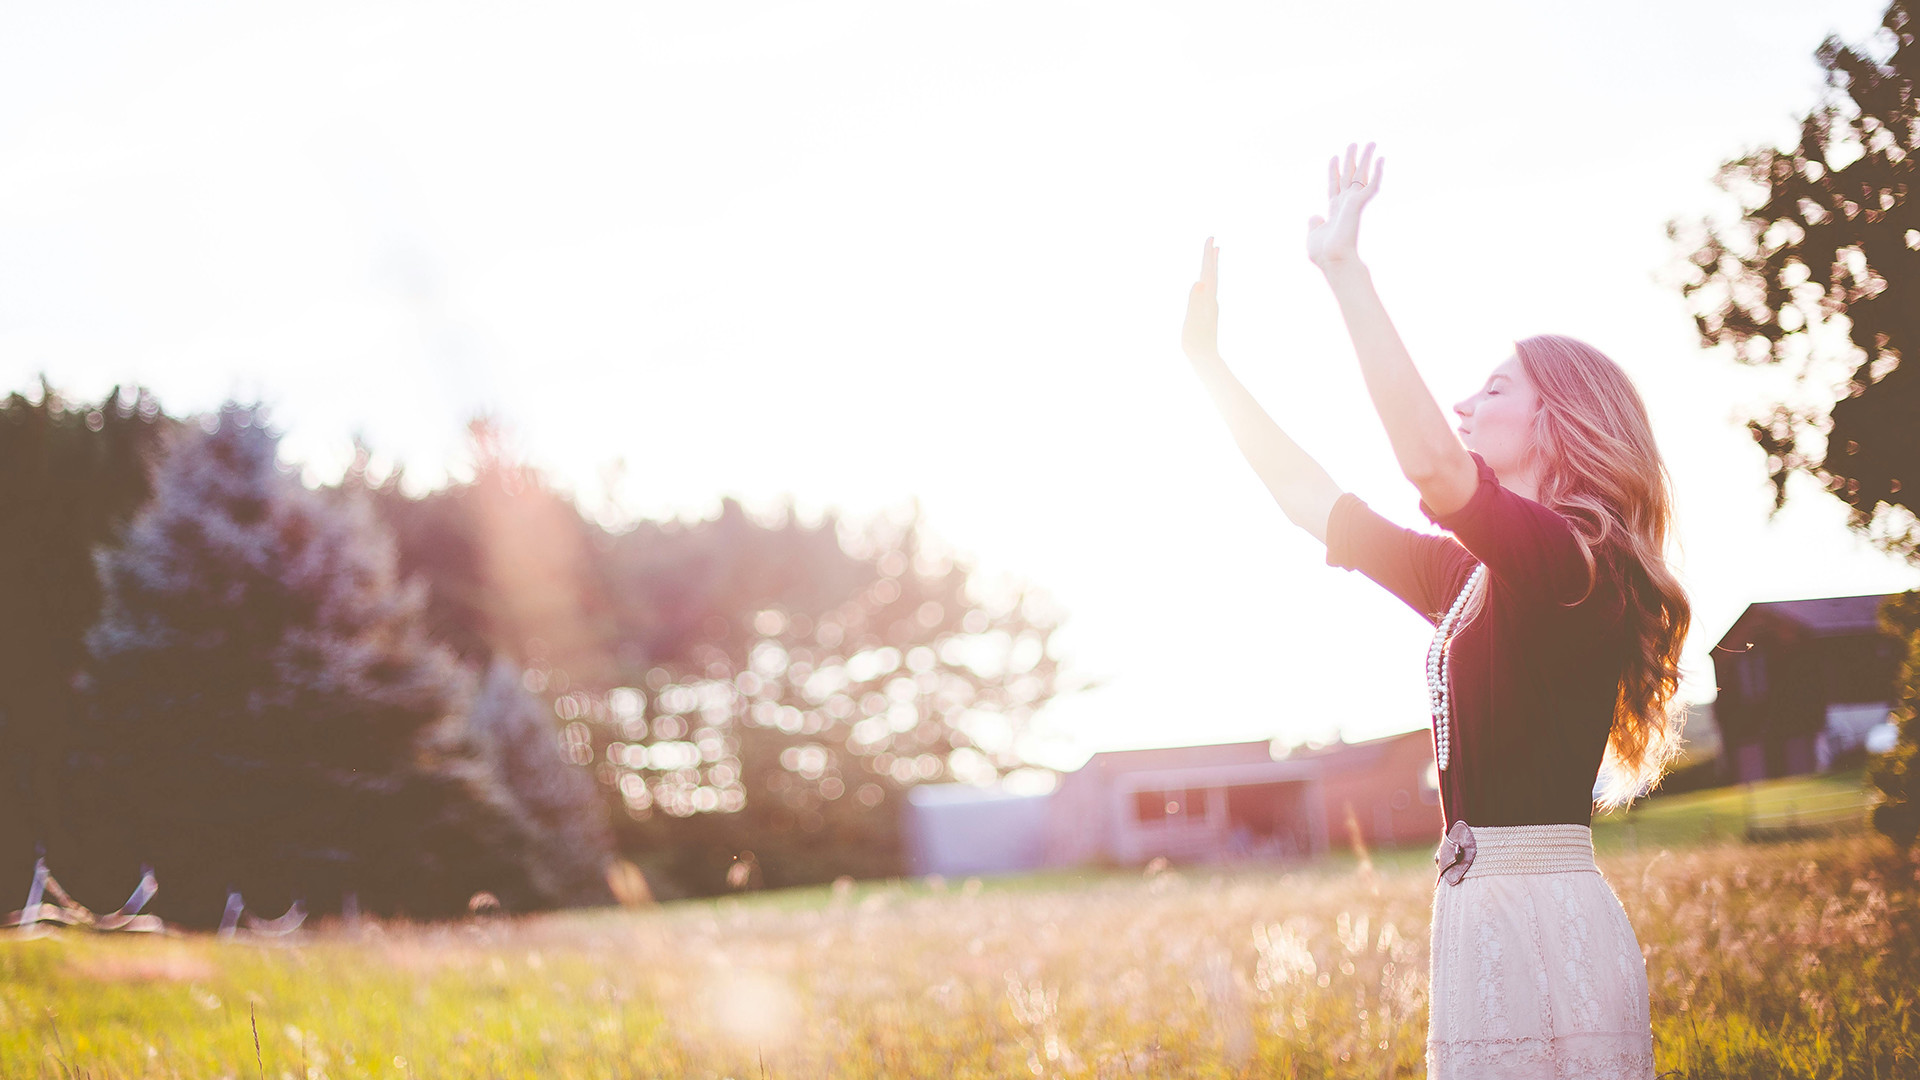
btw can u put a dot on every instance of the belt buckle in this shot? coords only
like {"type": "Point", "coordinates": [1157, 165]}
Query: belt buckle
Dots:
{"type": "Point", "coordinates": [1455, 854]}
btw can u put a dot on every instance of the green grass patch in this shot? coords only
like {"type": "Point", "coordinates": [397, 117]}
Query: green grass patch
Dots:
{"type": "Point", "coordinates": [1833, 802]}
{"type": "Point", "coordinates": [1781, 959]}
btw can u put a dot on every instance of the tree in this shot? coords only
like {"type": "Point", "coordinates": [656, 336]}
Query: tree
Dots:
{"type": "Point", "coordinates": [1821, 274]}
{"type": "Point", "coordinates": [737, 685]}
{"type": "Point", "coordinates": [799, 680]}
{"type": "Point", "coordinates": [71, 474]}
{"type": "Point", "coordinates": [266, 711]}
{"type": "Point", "coordinates": [554, 798]}
{"type": "Point", "coordinates": [1897, 773]}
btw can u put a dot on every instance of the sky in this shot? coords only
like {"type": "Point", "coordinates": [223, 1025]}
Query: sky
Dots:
{"type": "Point", "coordinates": [863, 256]}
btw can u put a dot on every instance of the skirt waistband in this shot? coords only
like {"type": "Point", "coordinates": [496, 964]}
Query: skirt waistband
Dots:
{"type": "Point", "coordinates": [1531, 849]}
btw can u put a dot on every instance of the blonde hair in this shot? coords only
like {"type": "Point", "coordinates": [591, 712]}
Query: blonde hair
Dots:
{"type": "Point", "coordinates": [1600, 469]}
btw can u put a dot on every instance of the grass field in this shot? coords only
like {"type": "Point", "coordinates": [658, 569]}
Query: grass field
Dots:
{"type": "Point", "coordinates": [1834, 802]}
{"type": "Point", "coordinates": [1798, 959]}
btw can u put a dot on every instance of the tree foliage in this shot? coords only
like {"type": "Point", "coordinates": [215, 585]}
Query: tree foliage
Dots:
{"type": "Point", "coordinates": [1821, 275]}
{"type": "Point", "coordinates": [266, 710]}
{"type": "Point", "coordinates": [552, 798]}
{"type": "Point", "coordinates": [71, 474]}
{"type": "Point", "coordinates": [407, 698]}
{"type": "Point", "coordinates": [513, 567]}
{"type": "Point", "coordinates": [1897, 773]}
{"type": "Point", "coordinates": [827, 678]}
{"type": "Point", "coordinates": [738, 685]}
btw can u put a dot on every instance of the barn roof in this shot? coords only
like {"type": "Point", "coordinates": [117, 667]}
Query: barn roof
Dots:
{"type": "Point", "coordinates": [1823, 616]}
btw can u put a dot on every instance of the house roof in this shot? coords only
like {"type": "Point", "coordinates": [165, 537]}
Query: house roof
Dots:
{"type": "Point", "coordinates": [1113, 762]}
{"type": "Point", "coordinates": [1355, 755]}
{"type": "Point", "coordinates": [1824, 616]}
{"type": "Point", "coordinates": [1339, 755]}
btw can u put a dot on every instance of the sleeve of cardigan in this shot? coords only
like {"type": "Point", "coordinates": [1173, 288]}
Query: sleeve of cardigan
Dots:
{"type": "Point", "coordinates": [1525, 546]}
{"type": "Point", "coordinates": [1423, 570]}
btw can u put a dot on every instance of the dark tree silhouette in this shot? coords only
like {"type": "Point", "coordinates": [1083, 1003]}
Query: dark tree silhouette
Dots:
{"type": "Point", "coordinates": [1821, 274]}
{"type": "Point", "coordinates": [71, 474]}
{"type": "Point", "coordinates": [1897, 773]}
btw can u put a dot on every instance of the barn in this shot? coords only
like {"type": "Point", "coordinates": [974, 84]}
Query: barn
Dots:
{"type": "Point", "coordinates": [1803, 682]}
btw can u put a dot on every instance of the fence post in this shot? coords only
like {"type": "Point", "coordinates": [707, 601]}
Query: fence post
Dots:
{"type": "Point", "coordinates": [231, 917]}
{"type": "Point", "coordinates": [31, 913]}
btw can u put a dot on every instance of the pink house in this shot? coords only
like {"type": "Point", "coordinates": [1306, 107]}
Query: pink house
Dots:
{"type": "Point", "coordinates": [1239, 801]}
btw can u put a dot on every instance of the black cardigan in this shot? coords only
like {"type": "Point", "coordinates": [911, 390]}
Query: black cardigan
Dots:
{"type": "Point", "coordinates": [1535, 675]}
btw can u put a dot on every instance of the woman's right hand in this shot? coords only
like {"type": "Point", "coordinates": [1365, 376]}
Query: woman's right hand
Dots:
{"type": "Point", "coordinates": [1334, 240]}
{"type": "Point", "coordinates": [1201, 335]}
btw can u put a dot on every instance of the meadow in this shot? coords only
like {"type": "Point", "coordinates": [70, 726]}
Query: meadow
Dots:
{"type": "Point", "coordinates": [1797, 958]}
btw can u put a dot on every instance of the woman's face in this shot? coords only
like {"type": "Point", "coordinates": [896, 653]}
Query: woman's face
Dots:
{"type": "Point", "coordinates": [1497, 421]}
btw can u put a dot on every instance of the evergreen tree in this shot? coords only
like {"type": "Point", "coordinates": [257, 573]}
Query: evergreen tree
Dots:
{"type": "Point", "coordinates": [266, 710]}
{"type": "Point", "coordinates": [554, 799]}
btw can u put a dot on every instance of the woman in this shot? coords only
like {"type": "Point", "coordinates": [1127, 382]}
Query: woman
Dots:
{"type": "Point", "coordinates": [1558, 631]}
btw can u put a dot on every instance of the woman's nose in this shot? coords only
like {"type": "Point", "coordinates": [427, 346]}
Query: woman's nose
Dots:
{"type": "Point", "coordinates": [1464, 407]}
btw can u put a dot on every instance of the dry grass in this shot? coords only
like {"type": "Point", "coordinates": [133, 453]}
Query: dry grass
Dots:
{"type": "Point", "coordinates": [1785, 960]}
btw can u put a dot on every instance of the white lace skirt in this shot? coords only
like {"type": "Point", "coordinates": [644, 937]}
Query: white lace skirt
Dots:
{"type": "Point", "coordinates": [1535, 970]}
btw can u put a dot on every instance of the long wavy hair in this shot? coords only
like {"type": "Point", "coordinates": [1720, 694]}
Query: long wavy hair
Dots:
{"type": "Point", "coordinates": [1599, 468]}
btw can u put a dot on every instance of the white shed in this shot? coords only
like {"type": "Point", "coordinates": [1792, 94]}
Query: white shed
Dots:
{"type": "Point", "coordinates": [960, 829]}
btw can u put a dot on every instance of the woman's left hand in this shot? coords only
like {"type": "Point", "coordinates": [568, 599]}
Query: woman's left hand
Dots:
{"type": "Point", "coordinates": [1200, 337]}
{"type": "Point", "coordinates": [1335, 239]}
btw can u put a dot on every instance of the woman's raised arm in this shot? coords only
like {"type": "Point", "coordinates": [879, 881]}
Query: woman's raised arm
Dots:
{"type": "Point", "coordinates": [1430, 454]}
{"type": "Point", "coordinates": [1302, 488]}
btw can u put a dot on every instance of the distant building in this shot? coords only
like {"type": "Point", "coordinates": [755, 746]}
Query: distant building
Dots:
{"type": "Point", "coordinates": [1801, 682]}
{"type": "Point", "coordinates": [961, 829]}
{"type": "Point", "coordinates": [1385, 791]}
{"type": "Point", "coordinates": [1187, 804]}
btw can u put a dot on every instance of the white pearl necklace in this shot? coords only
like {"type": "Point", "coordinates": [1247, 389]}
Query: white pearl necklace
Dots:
{"type": "Point", "coordinates": [1438, 657]}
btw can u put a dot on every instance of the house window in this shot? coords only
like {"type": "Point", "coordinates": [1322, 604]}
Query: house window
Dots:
{"type": "Point", "coordinates": [1195, 803]}
{"type": "Point", "coordinates": [1167, 807]}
